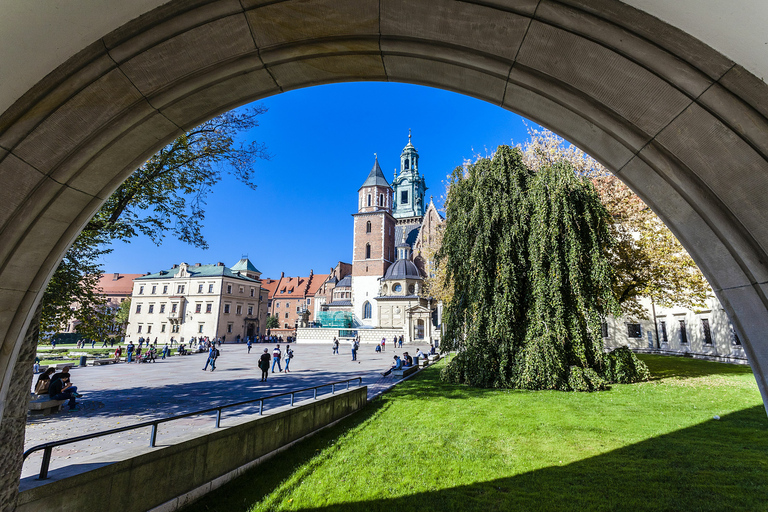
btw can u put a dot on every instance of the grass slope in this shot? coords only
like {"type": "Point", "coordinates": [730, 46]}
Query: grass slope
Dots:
{"type": "Point", "coordinates": [433, 446]}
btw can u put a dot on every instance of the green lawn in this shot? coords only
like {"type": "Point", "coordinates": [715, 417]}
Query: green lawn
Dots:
{"type": "Point", "coordinates": [432, 446]}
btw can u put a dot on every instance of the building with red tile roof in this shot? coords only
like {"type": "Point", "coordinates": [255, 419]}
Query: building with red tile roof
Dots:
{"type": "Point", "coordinates": [290, 298]}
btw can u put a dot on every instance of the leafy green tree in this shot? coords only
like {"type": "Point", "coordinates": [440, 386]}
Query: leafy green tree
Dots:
{"type": "Point", "coordinates": [525, 254]}
{"type": "Point", "coordinates": [167, 194]}
{"type": "Point", "coordinates": [123, 313]}
{"type": "Point", "coordinates": [648, 261]}
{"type": "Point", "coordinates": [273, 322]}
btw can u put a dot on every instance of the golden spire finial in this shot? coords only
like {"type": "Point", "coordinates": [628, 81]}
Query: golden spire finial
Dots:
{"type": "Point", "coordinates": [409, 135]}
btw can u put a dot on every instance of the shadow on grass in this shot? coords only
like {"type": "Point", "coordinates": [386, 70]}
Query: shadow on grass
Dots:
{"type": "Point", "coordinates": [716, 465]}
{"type": "Point", "coordinates": [664, 366]}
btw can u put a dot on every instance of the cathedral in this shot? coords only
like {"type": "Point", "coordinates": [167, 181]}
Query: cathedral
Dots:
{"type": "Point", "coordinates": [383, 296]}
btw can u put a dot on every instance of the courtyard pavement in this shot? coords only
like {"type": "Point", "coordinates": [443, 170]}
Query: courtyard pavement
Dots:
{"type": "Point", "coordinates": [123, 394]}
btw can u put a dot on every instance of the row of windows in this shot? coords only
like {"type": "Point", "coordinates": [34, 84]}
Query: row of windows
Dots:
{"type": "Point", "coordinates": [288, 304]}
{"type": "Point", "coordinates": [198, 308]}
{"type": "Point", "coordinates": [181, 288]}
{"type": "Point", "coordinates": [634, 330]}
{"type": "Point", "coordinates": [174, 328]}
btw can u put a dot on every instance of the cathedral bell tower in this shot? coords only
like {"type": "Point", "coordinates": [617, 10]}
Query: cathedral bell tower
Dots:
{"type": "Point", "coordinates": [409, 187]}
{"type": "Point", "coordinates": [374, 248]}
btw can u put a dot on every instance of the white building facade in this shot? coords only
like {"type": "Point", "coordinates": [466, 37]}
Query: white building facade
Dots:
{"type": "Point", "coordinates": [193, 301]}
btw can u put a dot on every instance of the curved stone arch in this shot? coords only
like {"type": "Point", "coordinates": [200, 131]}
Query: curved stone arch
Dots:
{"type": "Point", "coordinates": [681, 124]}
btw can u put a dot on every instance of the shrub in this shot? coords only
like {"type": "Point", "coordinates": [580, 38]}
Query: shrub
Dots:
{"type": "Point", "coordinates": [625, 368]}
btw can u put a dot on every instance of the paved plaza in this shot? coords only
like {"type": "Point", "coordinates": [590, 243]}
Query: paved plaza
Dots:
{"type": "Point", "coordinates": [122, 394]}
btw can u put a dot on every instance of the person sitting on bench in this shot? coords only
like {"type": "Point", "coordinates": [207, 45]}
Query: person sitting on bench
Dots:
{"type": "Point", "coordinates": [397, 365]}
{"type": "Point", "coordinates": [408, 359]}
{"type": "Point", "coordinates": [44, 382]}
{"type": "Point", "coordinates": [62, 389]}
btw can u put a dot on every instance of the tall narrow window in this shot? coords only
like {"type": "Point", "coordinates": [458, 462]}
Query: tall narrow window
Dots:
{"type": "Point", "coordinates": [663, 329]}
{"type": "Point", "coordinates": [404, 197]}
{"type": "Point", "coordinates": [381, 200]}
{"type": "Point", "coordinates": [367, 310]}
{"type": "Point", "coordinates": [405, 164]}
{"type": "Point", "coordinates": [368, 227]}
{"type": "Point", "coordinates": [707, 331]}
{"type": "Point", "coordinates": [735, 337]}
{"type": "Point", "coordinates": [683, 333]}
{"type": "Point", "coordinates": [367, 251]}
{"type": "Point", "coordinates": [369, 199]}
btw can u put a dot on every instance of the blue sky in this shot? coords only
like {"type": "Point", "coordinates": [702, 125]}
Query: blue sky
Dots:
{"type": "Point", "coordinates": [322, 140]}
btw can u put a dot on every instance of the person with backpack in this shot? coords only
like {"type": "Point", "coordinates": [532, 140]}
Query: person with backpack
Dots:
{"type": "Point", "coordinates": [249, 345]}
{"type": "Point", "coordinates": [335, 346]}
{"type": "Point", "coordinates": [264, 365]}
{"type": "Point", "coordinates": [276, 354]}
{"type": "Point", "coordinates": [288, 357]}
{"type": "Point", "coordinates": [211, 359]}
{"type": "Point", "coordinates": [355, 346]}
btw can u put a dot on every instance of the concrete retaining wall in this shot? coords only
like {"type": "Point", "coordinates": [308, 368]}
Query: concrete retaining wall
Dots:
{"type": "Point", "coordinates": [189, 468]}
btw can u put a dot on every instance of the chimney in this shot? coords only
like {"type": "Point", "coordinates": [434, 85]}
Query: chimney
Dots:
{"type": "Point", "coordinates": [116, 276]}
{"type": "Point", "coordinates": [198, 264]}
{"type": "Point", "coordinates": [220, 264]}
{"type": "Point", "coordinates": [311, 272]}
{"type": "Point", "coordinates": [282, 275]}
{"type": "Point", "coordinates": [175, 265]}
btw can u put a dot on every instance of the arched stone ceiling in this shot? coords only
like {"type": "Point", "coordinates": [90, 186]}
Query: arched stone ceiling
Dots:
{"type": "Point", "coordinates": [36, 37]}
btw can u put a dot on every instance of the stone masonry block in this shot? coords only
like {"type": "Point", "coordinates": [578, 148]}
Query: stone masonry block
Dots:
{"type": "Point", "coordinates": [459, 24]}
{"type": "Point", "coordinates": [196, 49]}
{"type": "Point", "coordinates": [321, 70]}
{"type": "Point", "coordinates": [633, 92]}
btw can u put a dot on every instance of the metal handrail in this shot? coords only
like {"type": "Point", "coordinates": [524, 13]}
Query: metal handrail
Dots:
{"type": "Point", "coordinates": [48, 447]}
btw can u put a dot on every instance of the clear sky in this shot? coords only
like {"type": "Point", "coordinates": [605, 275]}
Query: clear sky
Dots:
{"type": "Point", "coordinates": [322, 141]}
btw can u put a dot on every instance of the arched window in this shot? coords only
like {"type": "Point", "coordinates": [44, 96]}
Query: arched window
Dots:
{"type": "Point", "coordinates": [368, 227]}
{"type": "Point", "coordinates": [367, 310]}
{"type": "Point", "coordinates": [381, 199]}
{"type": "Point", "coordinates": [369, 199]}
{"type": "Point", "coordinates": [367, 251]}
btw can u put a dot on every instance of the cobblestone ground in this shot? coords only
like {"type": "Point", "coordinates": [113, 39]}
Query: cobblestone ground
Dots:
{"type": "Point", "coordinates": [122, 394]}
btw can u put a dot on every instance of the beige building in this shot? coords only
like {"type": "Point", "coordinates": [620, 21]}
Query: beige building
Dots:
{"type": "Point", "coordinates": [189, 301]}
{"type": "Point", "coordinates": [705, 333]}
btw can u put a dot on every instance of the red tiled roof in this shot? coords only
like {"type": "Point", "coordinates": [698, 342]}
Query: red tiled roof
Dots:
{"type": "Point", "coordinates": [123, 285]}
{"type": "Point", "coordinates": [316, 283]}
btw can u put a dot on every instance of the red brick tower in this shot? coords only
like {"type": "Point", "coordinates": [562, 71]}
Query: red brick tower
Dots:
{"type": "Point", "coordinates": [373, 246]}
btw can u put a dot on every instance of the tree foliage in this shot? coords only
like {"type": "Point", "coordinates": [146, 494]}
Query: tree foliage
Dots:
{"type": "Point", "coordinates": [166, 195]}
{"type": "Point", "coordinates": [273, 322]}
{"type": "Point", "coordinates": [525, 254]}
{"type": "Point", "coordinates": [647, 259]}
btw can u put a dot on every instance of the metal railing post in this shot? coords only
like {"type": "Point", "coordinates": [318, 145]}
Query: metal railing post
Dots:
{"type": "Point", "coordinates": [315, 390]}
{"type": "Point", "coordinates": [153, 436]}
{"type": "Point", "coordinates": [333, 388]}
{"type": "Point", "coordinates": [261, 407]}
{"type": "Point", "coordinates": [218, 417]}
{"type": "Point", "coordinates": [359, 381]}
{"type": "Point", "coordinates": [292, 399]}
{"type": "Point", "coordinates": [347, 384]}
{"type": "Point", "coordinates": [46, 462]}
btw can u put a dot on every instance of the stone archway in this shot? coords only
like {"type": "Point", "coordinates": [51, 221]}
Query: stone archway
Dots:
{"type": "Point", "coordinates": [681, 124]}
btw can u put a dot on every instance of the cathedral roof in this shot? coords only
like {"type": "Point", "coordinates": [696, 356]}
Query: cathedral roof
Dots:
{"type": "Point", "coordinates": [346, 282]}
{"type": "Point", "coordinates": [402, 269]}
{"type": "Point", "coordinates": [411, 232]}
{"type": "Point", "coordinates": [376, 177]}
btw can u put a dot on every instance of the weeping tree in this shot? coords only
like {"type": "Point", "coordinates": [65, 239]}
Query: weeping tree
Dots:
{"type": "Point", "coordinates": [526, 256]}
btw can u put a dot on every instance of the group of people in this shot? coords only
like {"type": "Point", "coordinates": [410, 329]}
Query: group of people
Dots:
{"type": "Point", "coordinates": [135, 354]}
{"type": "Point", "coordinates": [277, 357]}
{"type": "Point", "coordinates": [58, 386]}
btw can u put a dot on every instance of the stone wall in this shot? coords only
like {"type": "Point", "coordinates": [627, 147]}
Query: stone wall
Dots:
{"type": "Point", "coordinates": [15, 418]}
{"type": "Point", "coordinates": [372, 336]}
{"type": "Point", "coordinates": [170, 477]}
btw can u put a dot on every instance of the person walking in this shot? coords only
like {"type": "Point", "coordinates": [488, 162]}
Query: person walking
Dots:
{"type": "Point", "coordinates": [276, 355]}
{"type": "Point", "coordinates": [165, 351]}
{"type": "Point", "coordinates": [249, 345]}
{"type": "Point", "coordinates": [354, 349]}
{"type": "Point", "coordinates": [210, 358]}
{"type": "Point", "coordinates": [288, 357]}
{"type": "Point", "coordinates": [129, 352]}
{"type": "Point", "coordinates": [335, 346]}
{"type": "Point", "coordinates": [214, 356]}
{"type": "Point", "coordinates": [264, 365]}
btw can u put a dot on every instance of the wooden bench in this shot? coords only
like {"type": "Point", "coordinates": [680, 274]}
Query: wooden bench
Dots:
{"type": "Point", "coordinates": [434, 357]}
{"type": "Point", "coordinates": [99, 362]}
{"type": "Point", "coordinates": [45, 405]}
{"type": "Point", "coordinates": [406, 371]}
{"type": "Point", "coordinates": [424, 363]}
